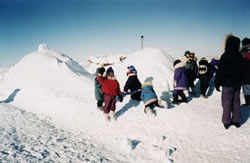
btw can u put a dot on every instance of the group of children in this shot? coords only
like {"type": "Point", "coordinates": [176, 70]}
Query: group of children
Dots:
{"type": "Point", "coordinates": [107, 88]}
{"type": "Point", "coordinates": [232, 71]}
{"type": "Point", "coordinates": [185, 74]}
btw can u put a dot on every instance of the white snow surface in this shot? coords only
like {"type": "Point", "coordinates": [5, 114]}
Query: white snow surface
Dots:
{"type": "Point", "coordinates": [49, 114]}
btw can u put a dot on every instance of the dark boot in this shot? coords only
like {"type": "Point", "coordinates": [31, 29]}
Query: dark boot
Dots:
{"type": "Point", "coordinates": [175, 101]}
{"type": "Point", "coordinates": [183, 97]}
{"type": "Point", "coordinates": [247, 99]}
{"type": "Point", "coordinates": [227, 126]}
{"type": "Point", "coordinates": [237, 125]}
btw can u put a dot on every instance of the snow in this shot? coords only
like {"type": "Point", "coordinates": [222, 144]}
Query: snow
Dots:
{"type": "Point", "coordinates": [51, 95]}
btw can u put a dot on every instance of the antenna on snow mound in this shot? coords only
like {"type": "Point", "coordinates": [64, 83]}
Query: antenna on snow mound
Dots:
{"type": "Point", "coordinates": [142, 41]}
{"type": "Point", "coordinates": [43, 47]}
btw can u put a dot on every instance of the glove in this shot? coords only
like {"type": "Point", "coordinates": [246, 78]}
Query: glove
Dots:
{"type": "Point", "coordinates": [101, 70]}
{"type": "Point", "coordinates": [120, 96]}
{"type": "Point", "coordinates": [217, 88]}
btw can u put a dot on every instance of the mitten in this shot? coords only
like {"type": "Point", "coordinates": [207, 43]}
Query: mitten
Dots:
{"type": "Point", "coordinates": [101, 70]}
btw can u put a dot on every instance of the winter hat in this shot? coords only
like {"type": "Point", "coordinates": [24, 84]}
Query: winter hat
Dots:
{"type": "Point", "coordinates": [245, 41]}
{"type": "Point", "coordinates": [109, 70]}
{"type": "Point", "coordinates": [203, 59]}
{"type": "Point", "coordinates": [232, 44]}
{"type": "Point", "coordinates": [132, 68]}
{"type": "Point", "coordinates": [186, 52]}
{"type": "Point", "coordinates": [177, 61]}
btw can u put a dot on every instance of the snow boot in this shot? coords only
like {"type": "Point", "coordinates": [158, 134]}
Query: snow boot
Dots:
{"type": "Point", "coordinates": [106, 116]}
{"type": "Point", "coordinates": [227, 126]}
{"type": "Point", "coordinates": [112, 115]}
{"type": "Point", "coordinates": [160, 104]}
{"type": "Point", "coordinates": [193, 91]}
{"type": "Point", "coordinates": [247, 99]}
{"type": "Point", "coordinates": [175, 101]}
{"type": "Point", "coordinates": [204, 96]}
{"type": "Point", "coordinates": [100, 108]}
{"type": "Point", "coordinates": [183, 97]}
{"type": "Point", "coordinates": [149, 111]}
{"type": "Point", "coordinates": [237, 125]}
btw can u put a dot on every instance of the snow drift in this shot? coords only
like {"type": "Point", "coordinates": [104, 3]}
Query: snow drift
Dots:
{"type": "Point", "coordinates": [152, 64]}
{"type": "Point", "coordinates": [45, 78]}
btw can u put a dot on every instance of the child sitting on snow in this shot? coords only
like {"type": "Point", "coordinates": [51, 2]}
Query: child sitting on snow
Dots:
{"type": "Point", "coordinates": [180, 81]}
{"type": "Point", "coordinates": [149, 98]}
{"type": "Point", "coordinates": [98, 92]}
{"type": "Point", "coordinates": [133, 84]}
{"type": "Point", "coordinates": [110, 89]}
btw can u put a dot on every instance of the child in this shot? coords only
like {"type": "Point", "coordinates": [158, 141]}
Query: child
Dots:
{"type": "Point", "coordinates": [205, 74]}
{"type": "Point", "coordinates": [149, 98]}
{"type": "Point", "coordinates": [229, 76]}
{"type": "Point", "coordinates": [192, 70]}
{"type": "Point", "coordinates": [215, 62]}
{"type": "Point", "coordinates": [133, 84]}
{"type": "Point", "coordinates": [180, 81]}
{"type": "Point", "coordinates": [245, 50]}
{"type": "Point", "coordinates": [98, 92]}
{"type": "Point", "coordinates": [110, 89]}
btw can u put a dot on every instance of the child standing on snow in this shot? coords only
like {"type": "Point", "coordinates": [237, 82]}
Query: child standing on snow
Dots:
{"type": "Point", "coordinates": [245, 50]}
{"type": "Point", "coordinates": [205, 74]}
{"type": "Point", "coordinates": [192, 70]}
{"type": "Point", "coordinates": [98, 92]}
{"type": "Point", "coordinates": [149, 98]}
{"type": "Point", "coordinates": [180, 81]}
{"type": "Point", "coordinates": [110, 89]}
{"type": "Point", "coordinates": [133, 84]}
{"type": "Point", "coordinates": [229, 76]}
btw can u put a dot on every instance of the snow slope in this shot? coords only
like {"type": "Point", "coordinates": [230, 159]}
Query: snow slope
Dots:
{"type": "Point", "coordinates": [190, 132]}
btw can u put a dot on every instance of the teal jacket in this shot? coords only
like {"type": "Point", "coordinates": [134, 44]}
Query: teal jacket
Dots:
{"type": "Point", "coordinates": [98, 88]}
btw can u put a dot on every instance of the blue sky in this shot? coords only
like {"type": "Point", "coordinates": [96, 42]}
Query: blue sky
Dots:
{"type": "Point", "coordinates": [81, 28]}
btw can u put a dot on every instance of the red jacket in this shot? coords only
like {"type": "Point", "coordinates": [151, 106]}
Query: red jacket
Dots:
{"type": "Point", "coordinates": [110, 85]}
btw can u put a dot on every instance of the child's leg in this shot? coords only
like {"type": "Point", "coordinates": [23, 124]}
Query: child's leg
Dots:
{"type": "Point", "coordinates": [227, 104]}
{"type": "Point", "coordinates": [175, 96]}
{"type": "Point", "coordinates": [107, 101]}
{"type": "Point", "coordinates": [183, 96]}
{"type": "Point", "coordinates": [236, 106]}
{"type": "Point", "coordinates": [99, 103]}
{"type": "Point", "coordinates": [112, 103]}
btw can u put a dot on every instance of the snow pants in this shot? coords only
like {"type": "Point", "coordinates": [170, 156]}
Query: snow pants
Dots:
{"type": "Point", "coordinates": [204, 83]}
{"type": "Point", "coordinates": [99, 103]}
{"type": "Point", "coordinates": [109, 101]}
{"type": "Point", "coordinates": [231, 105]}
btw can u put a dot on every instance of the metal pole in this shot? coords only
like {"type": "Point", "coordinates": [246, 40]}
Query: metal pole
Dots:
{"type": "Point", "coordinates": [141, 42]}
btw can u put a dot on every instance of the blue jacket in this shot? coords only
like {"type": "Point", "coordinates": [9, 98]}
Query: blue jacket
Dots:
{"type": "Point", "coordinates": [148, 93]}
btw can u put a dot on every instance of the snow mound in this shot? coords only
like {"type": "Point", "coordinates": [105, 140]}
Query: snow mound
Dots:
{"type": "Point", "coordinates": [152, 65]}
{"type": "Point", "coordinates": [47, 73]}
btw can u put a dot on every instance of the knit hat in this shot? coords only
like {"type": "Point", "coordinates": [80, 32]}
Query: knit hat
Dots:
{"type": "Point", "coordinates": [109, 70]}
{"type": "Point", "coordinates": [177, 61]}
{"type": "Point", "coordinates": [132, 68]}
{"type": "Point", "coordinates": [246, 41]}
{"type": "Point", "coordinates": [186, 52]}
{"type": "Point", "coordinates": [203, 58]}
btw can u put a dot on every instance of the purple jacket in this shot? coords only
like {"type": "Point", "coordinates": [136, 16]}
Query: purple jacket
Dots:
{"type": "Point", "coordinates": [215, 62]}
{"type": "Point", "coordinates": [180, 77]}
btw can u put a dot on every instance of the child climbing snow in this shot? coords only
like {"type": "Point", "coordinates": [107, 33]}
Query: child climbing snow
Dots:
{"type": "Point", "coordinates": [180, 82]}
{"type": "Point", "coordinates": [110, 89]}
{"type": "Point", "coordinates": [205, 74]}
{"type": "Point", "coordinates": [150, 99]}
{"type": "Point", "coordinates": [98, 92]}
{"type": "Point", "coordinates": [133, 84]}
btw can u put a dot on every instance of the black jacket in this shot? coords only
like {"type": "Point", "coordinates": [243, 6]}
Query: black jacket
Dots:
{"type": "Point", "coordinates": [205, 70]}
{"type": "Point", "coordinates": [133, 84]}
{"type": "Point", "coordinates": [230, 69]}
